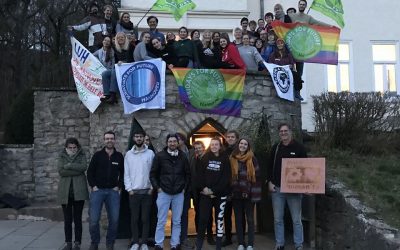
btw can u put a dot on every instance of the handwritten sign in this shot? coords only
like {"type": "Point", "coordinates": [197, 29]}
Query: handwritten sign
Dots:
{"type": "Point", "coordinates": [303, 175]}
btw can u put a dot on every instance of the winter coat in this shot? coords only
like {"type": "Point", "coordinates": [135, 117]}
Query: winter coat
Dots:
{"type": "Point", "coordinates": [72, 171]}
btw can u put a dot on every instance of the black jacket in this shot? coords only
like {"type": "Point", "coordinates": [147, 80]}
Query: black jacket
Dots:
{"type": "Point", "coordinates": [170, 173]}
{"type": "Point", "coordinates": [293, 150]}
{"type": "Point", "coordinates": [105, 171]}
{"type": "Point", "coordinates": [214, 172]}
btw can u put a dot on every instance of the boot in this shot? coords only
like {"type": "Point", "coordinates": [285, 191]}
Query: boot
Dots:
{"type": "Point", "coordinates": [112, 99]}
{"type": "Point", "coordinates": [67, 246]}
{"type": "Point", "coordinates": [104, 98]}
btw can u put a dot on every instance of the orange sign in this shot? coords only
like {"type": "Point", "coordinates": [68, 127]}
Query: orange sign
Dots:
{"type": "Point", "coordinates": [303, 175]}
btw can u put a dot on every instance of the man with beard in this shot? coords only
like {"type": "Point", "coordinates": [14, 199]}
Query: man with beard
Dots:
{"type": "Point", "coordinates": [137, 164]}
{"type": "Point", "coordinates": [95, 25]}
{"type": "Point", "coordinates": [105, 177]}
{"type": "Point", "coordinates": [170, 175]}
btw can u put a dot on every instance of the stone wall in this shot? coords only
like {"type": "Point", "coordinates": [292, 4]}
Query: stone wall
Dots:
{"type": "Point", "coordinates": [57, 116]}
{"type": "Point", "coordinates": [16, 171]}
{"type": "Point", "coordinates": [60, 114]}
{"type": "Point", "coordinates": [344, 223]}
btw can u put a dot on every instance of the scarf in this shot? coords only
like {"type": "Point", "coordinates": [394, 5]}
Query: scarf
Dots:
{"type": "Point", "coordinates": [127, 26]}
{"type": "Point", "coordinates": [173, 153]}
{"type": "Point", "coordinates": [248, 159]}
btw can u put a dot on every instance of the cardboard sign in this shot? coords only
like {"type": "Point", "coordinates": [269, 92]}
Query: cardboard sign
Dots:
{"type": "Point", "coordinates": [303, 175]}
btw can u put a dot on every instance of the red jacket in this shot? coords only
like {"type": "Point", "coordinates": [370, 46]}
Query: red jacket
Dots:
{"type": "Point", "coordinates": [230, 54]}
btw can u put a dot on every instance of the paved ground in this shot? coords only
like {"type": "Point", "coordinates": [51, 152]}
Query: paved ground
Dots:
{"type": "Point", "coordinates": [45, 235]}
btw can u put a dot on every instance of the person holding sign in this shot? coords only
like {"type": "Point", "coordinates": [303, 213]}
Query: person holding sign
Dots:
{"type": "Point", "coordinates": [286, 148]}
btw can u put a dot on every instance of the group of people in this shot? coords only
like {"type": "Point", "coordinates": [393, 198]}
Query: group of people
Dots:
{"type": "Point", "coordinates": [223, 178]}
{"type": "Point", "coordinates": [116, 42]}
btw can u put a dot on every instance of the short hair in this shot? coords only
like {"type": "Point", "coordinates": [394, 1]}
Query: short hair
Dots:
{"type": "Point", "coordinates": [214, 33]}
{"type": "Point", "coordinates": [199, 143]}
{"type": "Point", "coordinates": [284, 124]}
{"type": "Point", "coordinates": [183, 27]}
{"type": "Point", "coordinates": [260, 19]}
{"type": "Point", "coordinates": [303, 1]}
{"type": "Point", "coordinates": [72, 140]}
{"type": "Point", "coordinates": [291, 8]}
{"type": "Point", "coordinates": [233, 132]}
{"type": "Point", "coordinates": [269, 14]}
{"type": "Point", "coordinates": [225, 36]}
{"type": "Point", "coordinates": [193, 31]}
{"type": "Point", "coordinates": [109, 132]}
{"type": "Point", "coordinates": [252, 22]}
{"type": "Point", "coordinates": [150, 17]}
{"type": "Point", "coordinates": [171, 135]}
{"type": "Point", "coordinates": [139, 132]}
{"type": "Point", "coordinates": [244, 19]}
{"type": "Point", "coordinates": [107, 6]}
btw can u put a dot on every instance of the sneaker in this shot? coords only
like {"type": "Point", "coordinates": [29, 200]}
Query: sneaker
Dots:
{"type": "Point", "coordinates": [249, 248]}
{"type": "Point", "coordinates": [135, 247]}
{"type": "Point", "coordinates": [298, 96]}
{"type": "Point", "coordinates": [67, 246]}
{"type": "Point", "coordinates": [157, 247]}
{"type": "Point", "coordinates": [110, 246]}
{"type": "Point", "coordinates": [77, 246]}
{"type": "Point", "coordinates": [240, 247]}
{"type": "Point", "coordinates": [93, 247]}
{"type": "Point", "coordinates": [210, 240]}
{"type": "Point", "coordinates": [226, 242]}
{"type": "Point", "coordinates": [187, 244]}
{"type": "Point", "coordinates": [299, 248]}
{"type": "Point", "coordinates": [144, 247]}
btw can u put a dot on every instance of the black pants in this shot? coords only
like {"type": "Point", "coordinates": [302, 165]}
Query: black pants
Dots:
{"type": "Point", "coordinates": [206, 203]}
{"type": "Point", "coordinates": [196, 203]}
{"type": "Point", "coordinates": [140, 205]}
{"type": "Point", "coordinates": [73, 213]}
{"type": "Point", "coordinates": [245, 206]}
{"type": "Point", "coordinates": [153, 216]}
{"type": "Point", "coordinates": [228, 220]}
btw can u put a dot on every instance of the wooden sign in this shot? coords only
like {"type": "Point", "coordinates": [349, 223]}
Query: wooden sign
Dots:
{"type": "Point", "coordinates": [303, 175]}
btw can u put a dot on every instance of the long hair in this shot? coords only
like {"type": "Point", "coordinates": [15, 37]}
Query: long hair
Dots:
{"type": "Point", "coordinates": [247, 157]}
{"type": "Point", "coordinates": [121, 19]}
{"type": "Point", "coordinates": [207, 44]}
{"type": "Point", "coordinates": [125, 46]}
{"type": "Point", "coordinates": [222, 148]}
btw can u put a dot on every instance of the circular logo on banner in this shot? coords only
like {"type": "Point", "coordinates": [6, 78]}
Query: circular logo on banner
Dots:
{"type": "Point", "coordinates": [205, 88]}
{"type": "Point", "coordinates": [304, 42]}
{"type": "Point", "coordinates": [141, 83]}
{"type": "Point", "coordinates": [281, 78]}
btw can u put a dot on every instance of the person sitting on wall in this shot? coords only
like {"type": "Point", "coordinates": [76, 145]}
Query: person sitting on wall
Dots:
{"type": "Point", "coordinates": [125, 25]}
{"type": "Point", "coordinates": [280, 14]}
{"type": "Point", "coordinates": [107, 58]}
{"type": "Point", "coordinates": [282, 56]}
{"type": "Point", "coordinates": [237, 34]}
{"type": "Point", "coordinates": [261, 25]}
{"type": "Point", "coordinates": [152, 21]}
{"type": "Point", "coordinates": [252, 32]}
{"type": "Point", "coordinates": [230, 53]}
{"type": "Point", "coordinates": [269, 17]}
{"type": "Point", "coordinates": [185, 50]}
{"type": "Point", "coordinates": [159, 50]}
{"type": "Point", "coordinates": [141, 50]}
{"type": "Point", "coordinates": [244, 23]}
{"type": "Point", "coordinates": [210, 56]}
{"type": "Point", "coordinates": [249, 54]}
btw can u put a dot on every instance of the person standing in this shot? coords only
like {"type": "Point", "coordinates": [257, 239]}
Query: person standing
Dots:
{"type": "Point", "coordinates": [72, 190]}
{"type": "Point", "coordinates": [246, 190]}
{"type": "Point", "coordinates": [152, 21]}
{"type": "Point", "coordinates": [232, 137]}
{"type": "Point", "coordinates": [286, 148]}
{"type": "Point", "coordinates": [105, 176]}
{"type": "Point", "coordinates": [137, 166]}
{"type": "Point", "coordinates": [213, 179]}
{"type": "Point", "coordinates": [170, 175]}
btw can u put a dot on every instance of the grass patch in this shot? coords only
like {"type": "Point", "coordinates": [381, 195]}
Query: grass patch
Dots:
{"type": "Point", "coordinates": [376, 179]}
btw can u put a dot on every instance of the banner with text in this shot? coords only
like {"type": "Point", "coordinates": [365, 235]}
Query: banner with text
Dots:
{"type": "Point", "coordinates": [310, 43]}
{"type": "Point", "coordinates": [87, 69]}
{"type": "Point", "coordinates": [142, 85]}
{"type": "Point", "coordinates": [213, 91]}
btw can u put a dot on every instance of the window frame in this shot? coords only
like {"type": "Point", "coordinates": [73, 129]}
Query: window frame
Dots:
{"type": "Point", "coordinates": [349, 63]}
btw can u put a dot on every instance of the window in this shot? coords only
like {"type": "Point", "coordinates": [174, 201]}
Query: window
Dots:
{"type": "Point", "coordinates": [385, 60]}
{"type": "Point", "coordinates": [339, 75]}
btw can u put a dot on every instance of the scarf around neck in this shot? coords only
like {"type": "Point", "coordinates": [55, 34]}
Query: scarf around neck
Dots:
{"type": "Point", "coordinates": [248, 159]}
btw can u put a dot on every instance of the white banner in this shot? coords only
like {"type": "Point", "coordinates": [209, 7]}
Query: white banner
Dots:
{"type": "Point", "coordinates": [87, 70]}
{"type": "Point", "coordinates": [141, 85]}
{"type": "Point", "coordinates": [283, 80]}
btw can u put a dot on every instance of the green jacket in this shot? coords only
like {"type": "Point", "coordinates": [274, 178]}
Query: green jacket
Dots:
{"type": "Point", "coordinates": [72, 169]}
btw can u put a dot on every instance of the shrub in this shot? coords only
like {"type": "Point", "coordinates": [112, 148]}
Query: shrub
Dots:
{"type": "Point", "coordinates": [364, 122]}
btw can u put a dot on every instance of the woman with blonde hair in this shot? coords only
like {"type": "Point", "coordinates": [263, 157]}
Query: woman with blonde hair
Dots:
{"type": "Point", "coordinates": [246, 190]}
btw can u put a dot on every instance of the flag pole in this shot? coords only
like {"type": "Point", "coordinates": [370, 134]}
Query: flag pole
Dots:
{"type": "Point", "coordinates": [144, 16]}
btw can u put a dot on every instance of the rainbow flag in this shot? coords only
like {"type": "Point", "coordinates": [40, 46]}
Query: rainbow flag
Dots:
{"type": "Point", "coordinates": [310, 43]}
{"type": "Point", "coordinates": [213, 91]}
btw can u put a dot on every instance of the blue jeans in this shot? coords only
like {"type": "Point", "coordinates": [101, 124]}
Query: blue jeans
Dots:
{"type": "Point", "coordinates": [109, 81]}
{"type": "Point", "coordinates": [111, 199]}
{"type": "Point", "coordinates": [164, 202]}
{"type": "Point", "coordinates": [278, 205]}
